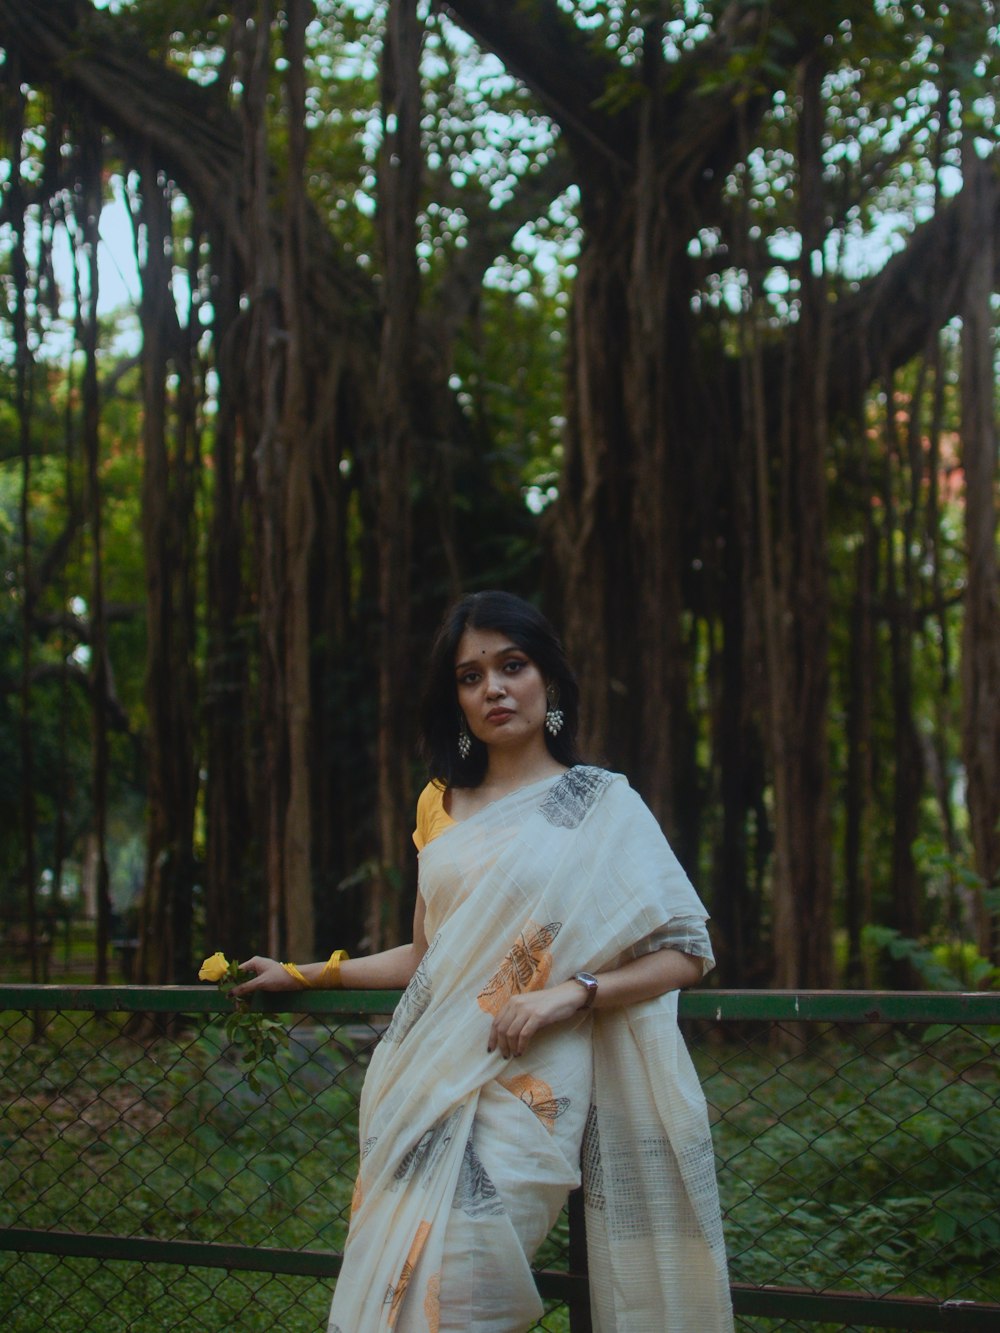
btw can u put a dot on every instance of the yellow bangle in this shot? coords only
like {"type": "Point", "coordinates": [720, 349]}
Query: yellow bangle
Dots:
{"type": "Point", "coordinates": [330, 976]}
{"type": "Point", "coordinates": [328, 979]}
{"type": "Point", "coordinates": [293, 971]}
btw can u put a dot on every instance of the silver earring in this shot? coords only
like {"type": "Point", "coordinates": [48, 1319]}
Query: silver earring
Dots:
{"type": "Point", "coordinates": [554, 716]}
{"type": "Point", "coordinates": [464, 740]}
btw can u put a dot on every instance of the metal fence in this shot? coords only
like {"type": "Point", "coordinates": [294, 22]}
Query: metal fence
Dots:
{"type": "Point", "coordinates": [146, 1183]}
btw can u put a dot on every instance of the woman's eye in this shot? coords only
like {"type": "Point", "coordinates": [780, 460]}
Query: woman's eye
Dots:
{"type": "Point", "coordinates": [514, 665]}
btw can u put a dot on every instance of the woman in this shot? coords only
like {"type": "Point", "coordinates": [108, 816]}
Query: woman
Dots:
{"type": "Point", "coordinates": [553, 928]}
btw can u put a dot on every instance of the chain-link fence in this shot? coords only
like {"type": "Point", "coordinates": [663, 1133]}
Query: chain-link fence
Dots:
{"type": "Point", "coordinates": [148, 1184]}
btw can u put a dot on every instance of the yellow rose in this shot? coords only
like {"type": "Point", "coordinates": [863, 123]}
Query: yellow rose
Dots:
{"type": "Point", "coordinates": [214, 968]}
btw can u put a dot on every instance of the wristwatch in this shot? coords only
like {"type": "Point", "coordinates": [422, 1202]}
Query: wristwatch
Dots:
{"type": "Point", "coordinates": [589, 984]}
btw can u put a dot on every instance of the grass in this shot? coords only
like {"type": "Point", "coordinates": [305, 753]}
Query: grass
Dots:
{"type": "Point", "coordinates": [71, 961]}
{"type": "Point", "coordinates": [868, 1169]}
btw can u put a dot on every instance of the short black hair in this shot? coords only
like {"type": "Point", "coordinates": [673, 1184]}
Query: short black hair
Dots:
{"type": "Point", "coordinates": [526, 627]}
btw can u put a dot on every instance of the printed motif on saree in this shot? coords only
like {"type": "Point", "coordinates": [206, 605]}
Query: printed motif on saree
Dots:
{"type": "Point", "coordinates": [467, 1157]}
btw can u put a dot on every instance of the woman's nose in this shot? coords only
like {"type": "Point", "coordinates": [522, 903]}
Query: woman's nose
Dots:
{"type": "Point", "coordinates": [495, 687]}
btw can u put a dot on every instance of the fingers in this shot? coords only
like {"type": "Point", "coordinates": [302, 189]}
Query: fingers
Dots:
{"type": "Point", "coordinates": [267, 975]}
{"type": "Point", "coordinates": [260, 967]}
{"type": "Point", "coordinates": [511, 1031]}
{"type": "Point", "coordinates": [250, 984]}
{"type": "Point", "coordinates": [500, 1040]}
{"type": "Point", "coordinates": [524, 1015]}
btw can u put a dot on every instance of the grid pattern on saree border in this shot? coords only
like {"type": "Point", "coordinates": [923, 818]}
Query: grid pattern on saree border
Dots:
{"type": "Point", "coordinates": [145, 1183]}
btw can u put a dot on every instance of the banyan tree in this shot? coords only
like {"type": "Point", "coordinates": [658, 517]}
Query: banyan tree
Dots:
{"type": "Point", "coordinates": [745, 542]}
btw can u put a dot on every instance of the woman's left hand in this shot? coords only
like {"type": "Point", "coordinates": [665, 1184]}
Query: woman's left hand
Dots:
{"type": "Point", "coordinates": [263, 974]}
{"type": "Point", "coordinates": [524, 1015]}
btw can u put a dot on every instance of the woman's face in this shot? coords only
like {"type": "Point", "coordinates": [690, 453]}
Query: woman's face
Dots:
{"type": "Point", "coordinates": [500, 690]}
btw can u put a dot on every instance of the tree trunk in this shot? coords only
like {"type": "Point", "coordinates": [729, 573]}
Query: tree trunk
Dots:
{"type": "Point", "coordinates": [940, 746]}
{"type": "Point", "coordinates": [167, 502]}
{"type": "Point", "coordinates": [807, 889]}
{"type": "Point", "coordinates": [981, 631]}
{"type": "Point", "coordinates": [90, 205]}
{"type": "Point", "coordinates": [619, 534]}
{"type": "Point", "coordinates": [733, 909]}
{"type": "Point", "coordinates": [399, 192]}
{"type": "Point", "coordinates": [233, 842]}
{"type": "Point", "coordinates": [263, 411]}
{"type": "Point", "coordinates": [299, 436]}
{"type": "Point", "coordinates": [859, 725]}
{"type": "Point", "coordinates": [907, 769]}
{"type": "Point", "coordinates": [789, 443]}
{"type": "Point", "coordinates": [658, 340]}
{"type": "Point", "coordinates": [185, 482]}
{"type": "Point", "coordinates": [23, 406]}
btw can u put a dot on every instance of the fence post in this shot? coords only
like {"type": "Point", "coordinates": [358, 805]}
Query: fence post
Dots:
{"type": "Point", "coordinates": [579, 1306]}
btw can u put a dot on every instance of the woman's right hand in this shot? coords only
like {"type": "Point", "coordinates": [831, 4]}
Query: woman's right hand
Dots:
{"type": "Point", "coordinates": [270, 975]}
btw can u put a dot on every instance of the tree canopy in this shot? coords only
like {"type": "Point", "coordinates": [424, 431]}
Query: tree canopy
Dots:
{"type": "Point", "coordinates": [677, 317]}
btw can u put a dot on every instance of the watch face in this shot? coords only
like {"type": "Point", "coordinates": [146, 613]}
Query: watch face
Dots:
{"type": "Point", "coordinates": [589, 983]}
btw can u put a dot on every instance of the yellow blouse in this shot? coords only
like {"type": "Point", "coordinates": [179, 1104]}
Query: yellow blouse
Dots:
{"type": "Point", "coordinates": [432, 817]}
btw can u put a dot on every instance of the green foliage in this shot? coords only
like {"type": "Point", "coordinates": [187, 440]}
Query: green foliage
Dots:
{"type": "Point", "coordinates": [944, 966]}
{"type": "Point", "coordinates": [924, 961]}
{"type": "Point", "coordinates": [61, 726]}
{"type": "Point", "coordinates": [945, 960]}
{"type": "Point", "coordinates": [857, 1170]}
{"type": "Point", "coordinates": [167, 1138]}
{"type": "Point", "coordinates": [192, 1154]}
{"type": "Point", "coordinates": [259, 1037]}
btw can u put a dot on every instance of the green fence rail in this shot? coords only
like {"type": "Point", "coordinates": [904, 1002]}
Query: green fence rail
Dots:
{"type": "Point", "coordinates": [145, 1183]}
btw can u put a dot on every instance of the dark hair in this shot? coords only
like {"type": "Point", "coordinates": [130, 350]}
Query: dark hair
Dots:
{"type": "Point", "coordinates": [440, 718]}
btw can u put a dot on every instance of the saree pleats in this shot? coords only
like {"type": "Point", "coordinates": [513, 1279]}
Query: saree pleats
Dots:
{"type": "Point", "coordinates": [655, 1248]}
{"type": "Point", "coordinates": [466, 1158]}
{"type": "Point", "coordinates": [490, 1238]}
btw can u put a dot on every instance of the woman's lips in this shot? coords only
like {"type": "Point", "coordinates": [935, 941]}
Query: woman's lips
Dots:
{"type": "Point", "coordinates": [499, 714]}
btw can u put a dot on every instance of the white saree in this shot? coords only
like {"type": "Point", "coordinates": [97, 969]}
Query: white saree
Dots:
{"type": "Point", "coordinates": [466, 1158]}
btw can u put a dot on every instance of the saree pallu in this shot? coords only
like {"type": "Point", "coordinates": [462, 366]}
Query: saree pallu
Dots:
{"type": "Point", "coordinates": [466, 1158]}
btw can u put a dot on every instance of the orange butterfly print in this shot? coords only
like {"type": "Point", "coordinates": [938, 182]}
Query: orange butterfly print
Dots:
{"type": "Point", "coordinates": [526, 966]}
{"type": "Point", "coordinates": [538, 1096]}
{"type": "Point", "coordinates": [432, 1303]}
{"type": "Point", "coordinates": [395, 1294]}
